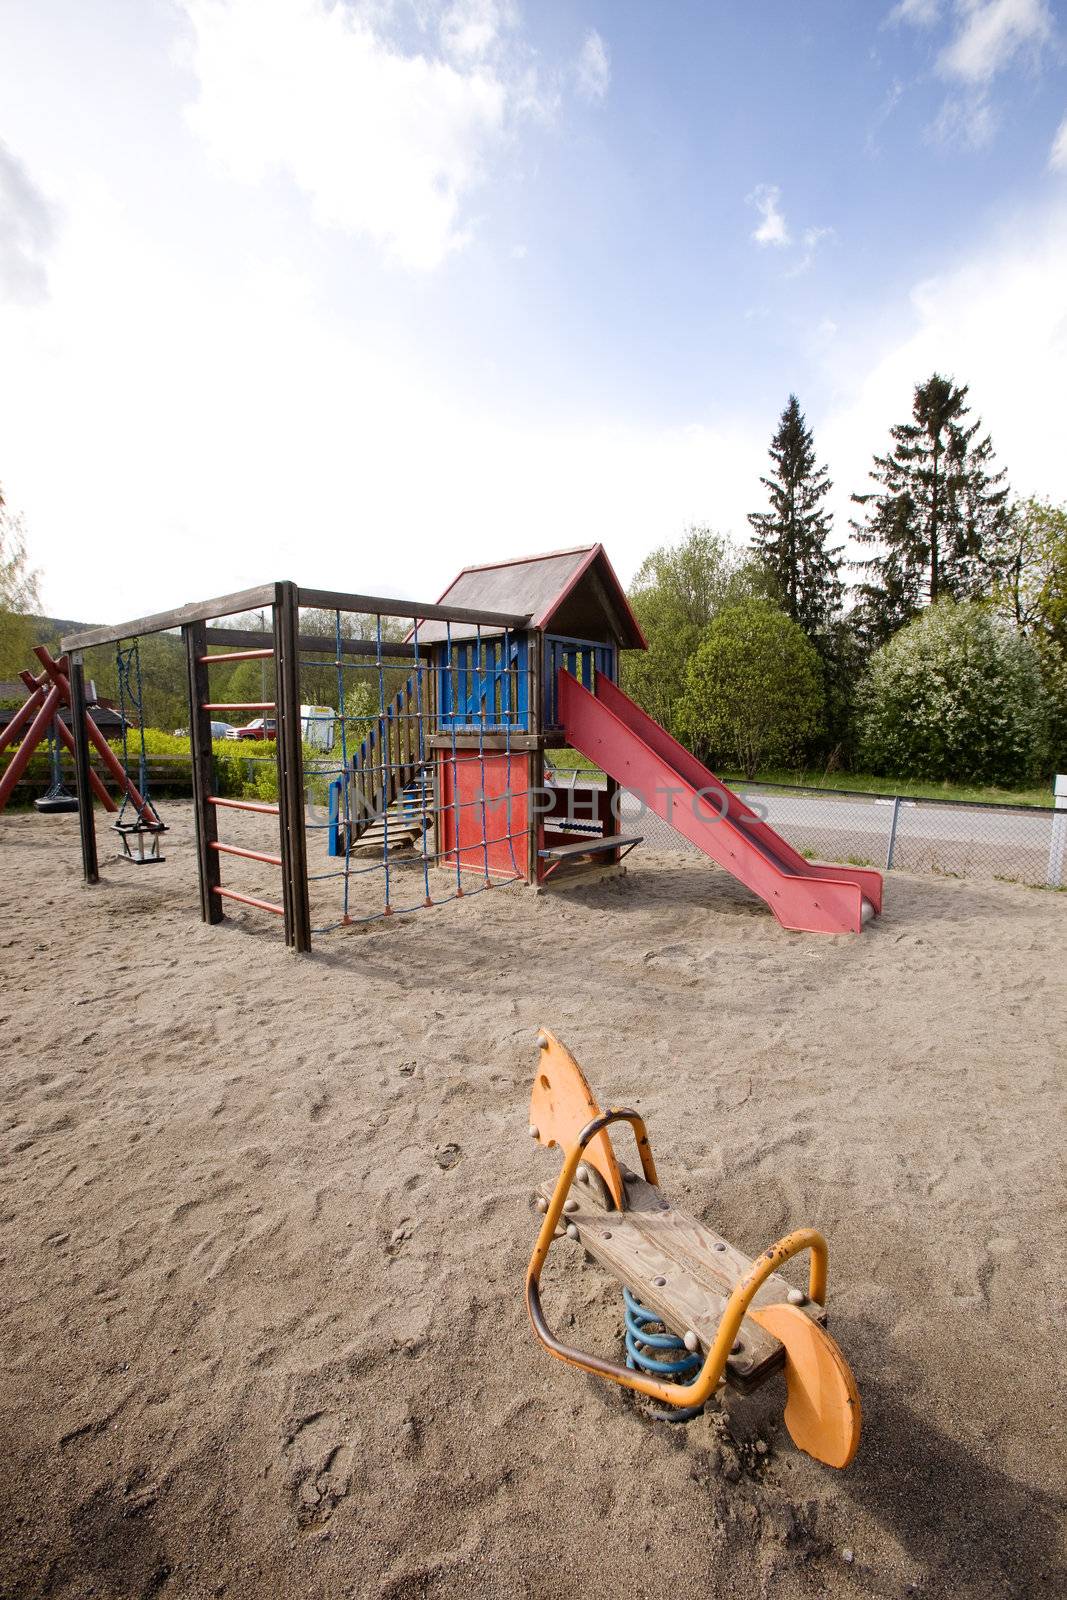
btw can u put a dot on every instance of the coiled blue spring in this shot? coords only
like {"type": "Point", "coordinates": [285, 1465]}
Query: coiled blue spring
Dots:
{"type": "Point", "coordinates": [672, 1361]}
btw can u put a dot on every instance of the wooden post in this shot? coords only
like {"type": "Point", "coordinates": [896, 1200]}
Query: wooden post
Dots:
{"type": "Point", "coordinates": [612, 823]}
{"type": "Point", "coordinates": [535, 766]}
{"type": "Point", "coordinates": [80, 731]}
{"type": "Point", "coordinates": [291, 768]}
{"type": "Point", "coordinates": [207, 830]}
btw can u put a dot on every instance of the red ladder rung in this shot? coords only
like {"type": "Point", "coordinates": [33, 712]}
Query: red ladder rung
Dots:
{"type": "Point", "coordinates": [236, 655]}
{"type": "Point", "coordinates": [252, 855]}
{"type": "Point", "coordinates": [243, 805]}
{"type": "Point", "coordinates": [249, 900]}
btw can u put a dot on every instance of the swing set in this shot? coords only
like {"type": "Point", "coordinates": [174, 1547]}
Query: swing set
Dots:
{"type": "Point", "coordinates": [49, 693]}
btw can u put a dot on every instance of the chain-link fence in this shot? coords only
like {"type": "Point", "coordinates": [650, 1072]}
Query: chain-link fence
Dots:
{"type": "Point", "coordinates": [1019, 844]}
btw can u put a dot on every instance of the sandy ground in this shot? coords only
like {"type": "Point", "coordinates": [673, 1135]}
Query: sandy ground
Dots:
{"type": "Point", "coordinates": [264, 1221]}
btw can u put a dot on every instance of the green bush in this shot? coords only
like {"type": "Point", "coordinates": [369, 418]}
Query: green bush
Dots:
{"type": "Point", "coordinates": [753, 689]}
{"type": "Point", "coordinates": [955, 695]}
{"type": "Point", "coordinates": [244, 769]}
{"type": "Point", "coordinates": [156, 742]}
{"type": "Point", "coordinates": [675, 595]}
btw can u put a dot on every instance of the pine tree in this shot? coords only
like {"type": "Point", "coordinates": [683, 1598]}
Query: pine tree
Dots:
{"type": "Point", "coordinates": [937, 516]}
{"type": "Point", "coordinates": [790, 539]}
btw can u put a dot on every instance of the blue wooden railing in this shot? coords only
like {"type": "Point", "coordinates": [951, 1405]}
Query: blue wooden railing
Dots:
{"type": "Point", "coordinates": [484, 684]}
{"type": "Point", "coordinates": [583, 658]}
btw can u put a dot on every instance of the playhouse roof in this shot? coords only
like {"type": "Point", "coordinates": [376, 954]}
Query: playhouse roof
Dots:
{"type": "Point", "coordinates": [538, 586]}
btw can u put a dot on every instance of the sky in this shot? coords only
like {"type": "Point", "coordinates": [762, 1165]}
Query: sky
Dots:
{"type": "Point", "coordinates": [357, 292]}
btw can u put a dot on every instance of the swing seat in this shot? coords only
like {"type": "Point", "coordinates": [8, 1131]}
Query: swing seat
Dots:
{"type": "Point", "coordinates": [52, 804]}
{"type": "Point", "coordinates": [738, 1318]}
{"type": "Point", "coordinates": [140, 841]}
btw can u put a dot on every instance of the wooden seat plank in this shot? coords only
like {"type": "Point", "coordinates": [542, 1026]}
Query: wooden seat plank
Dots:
{"type": "Point", "coordinates": [589, 846]}
{"type": "Point", "coordinates": [680, 1269]}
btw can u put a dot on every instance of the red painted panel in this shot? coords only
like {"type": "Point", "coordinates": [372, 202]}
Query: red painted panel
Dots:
{"type": "Point", "coordinates": [484, 799]}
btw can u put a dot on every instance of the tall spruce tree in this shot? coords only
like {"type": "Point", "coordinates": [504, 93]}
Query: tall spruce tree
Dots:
{"type": "Point", "coordinates": [790, 539]}
{"type": "Point", "coordinates": [937, 517]}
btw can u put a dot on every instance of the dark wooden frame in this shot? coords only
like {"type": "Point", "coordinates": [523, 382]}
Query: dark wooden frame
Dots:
{"type": "Point", "coordinates": [80, 731]}
{"type": "Point", "coordinates": [207, 830]}
{"type": "Point", "coordinates": [291, 769]}
{"type": "Point", "coordinates": [285, 600]}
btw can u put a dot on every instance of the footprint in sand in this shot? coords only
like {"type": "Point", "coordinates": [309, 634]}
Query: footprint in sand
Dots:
{"type": "Point", "coordinates": [318, 1457]}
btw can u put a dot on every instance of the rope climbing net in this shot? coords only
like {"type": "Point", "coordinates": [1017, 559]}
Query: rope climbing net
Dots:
{"type": "Point", "coordinates": [426, 796]}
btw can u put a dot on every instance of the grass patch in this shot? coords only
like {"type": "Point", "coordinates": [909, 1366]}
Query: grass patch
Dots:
{"type": "Point", "coordinates": [574, 761]}
{"type": "Point", "coordinates": [868, 783]}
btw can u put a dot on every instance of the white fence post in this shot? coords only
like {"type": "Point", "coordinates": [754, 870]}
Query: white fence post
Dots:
{"type": "Point", "coordinates": [1058, 846]}
{"type": "Point", "coordinates": [892, 833]}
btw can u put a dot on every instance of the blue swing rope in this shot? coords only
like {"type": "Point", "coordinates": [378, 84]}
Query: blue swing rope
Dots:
{"type": "Point", "coordinates": [345, 777]}
{"type": "Point", "coordinates": [422, 761]}
{"type": "Point", "coordinates": [481, 679]}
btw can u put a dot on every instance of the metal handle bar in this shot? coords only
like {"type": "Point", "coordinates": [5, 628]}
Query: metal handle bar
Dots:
{"type": "Point", "coordinates": [707, 1381]}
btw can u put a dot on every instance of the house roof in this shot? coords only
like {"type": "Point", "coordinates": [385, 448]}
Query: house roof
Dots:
{"type": "Point", "coordinates": [536, 586]}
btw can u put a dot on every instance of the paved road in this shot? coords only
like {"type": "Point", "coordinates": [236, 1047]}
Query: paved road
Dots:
{"type": "Point", "coordinates": [948, 838]}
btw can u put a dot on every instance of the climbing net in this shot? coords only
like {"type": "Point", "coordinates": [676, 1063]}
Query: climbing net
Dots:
{"type": "Point", "coordinates": [414, 783]}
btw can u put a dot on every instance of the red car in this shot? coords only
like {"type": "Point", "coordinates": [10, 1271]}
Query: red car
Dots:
{"type": "Point", "coordinates": [258, 728]}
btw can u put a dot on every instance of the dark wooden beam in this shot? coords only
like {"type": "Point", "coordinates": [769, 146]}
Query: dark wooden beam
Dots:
{"type": "Point", "coordinates": [328, 600]}
{"type": "Point", "coordinates": [229, 605]}
{"type": "Point", "coordinates": [315, 645]}
{"type": "Point", "coordinates": [291, 768]}
{"type": "Point", "coordinates": [226, 605]}
{"type": "Point", "coordinates": [79, 729]}
{"type": "Point", "coordinates": [208, 864]}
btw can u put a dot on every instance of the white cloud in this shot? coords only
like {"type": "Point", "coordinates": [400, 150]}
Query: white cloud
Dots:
{"type": "Point", "coordinates": [386, 141]}
{"type": "Point", "coordinates": [773, 228]}
{"type": "Point", "coordinates": [260, 435]}
{"type": "Point", "coordinates": [471, 29]}
{"type": "Point", "coordinates": [990, 34]}
{"type": "Point", "coordinates": [970, 120]}
{"type": "Point", "coordinates": [593, 69]}
{"type": "Point", "coordinates": [920, 13]}
{"type": "Point", "coordinates": [1057, 156]}
{"type": "Point", "coordinates": [997, 323]}
{"type": "Point", "coordinates": [987, 37]}
{"type": "Point", "coordinates": [26, 233]}
{"type": "Point", "coordinates": [811, 238]}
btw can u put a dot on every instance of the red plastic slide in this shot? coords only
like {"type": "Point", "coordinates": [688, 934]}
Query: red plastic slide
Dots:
{"type": "Point", "coordinates": [632, 748]}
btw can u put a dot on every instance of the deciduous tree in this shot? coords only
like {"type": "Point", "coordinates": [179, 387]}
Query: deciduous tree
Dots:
{"type": "Point", "coordinates": [753, 689]}
{"type": "Point", "coordinates": [18, 594]}
{"type": "Point", "coordinates": [676, 593]}
{"type": "Point", "coordinates": [956, 695]}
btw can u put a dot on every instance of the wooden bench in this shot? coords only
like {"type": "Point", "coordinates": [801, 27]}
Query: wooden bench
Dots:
{"type": "Point", "coordinates": [598, 844]}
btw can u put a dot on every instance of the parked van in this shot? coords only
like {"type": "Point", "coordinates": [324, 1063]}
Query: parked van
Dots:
{"type": "Point", "coordinates": [316, 726]}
